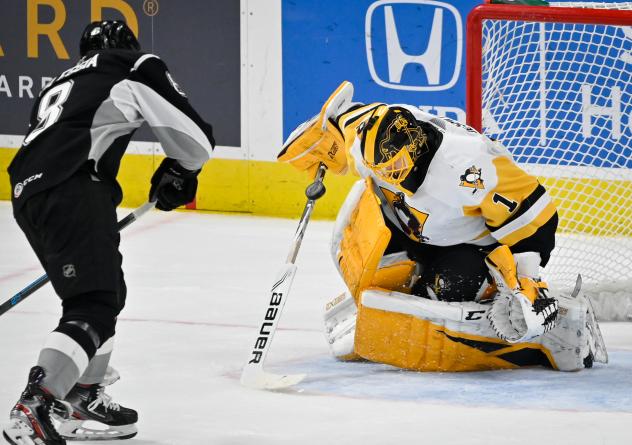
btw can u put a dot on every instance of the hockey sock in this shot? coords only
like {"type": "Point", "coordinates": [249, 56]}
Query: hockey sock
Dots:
{"type": "Point", "coordinates": [66, 354]}
{"type": "Point", "coordinates": [95, 372]}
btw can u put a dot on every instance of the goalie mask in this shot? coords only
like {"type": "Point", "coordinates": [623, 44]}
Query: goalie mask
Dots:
{"type": "Point", "coordinates": [107, 34]}
{"type": "Point", "coordinates": [392, 142]}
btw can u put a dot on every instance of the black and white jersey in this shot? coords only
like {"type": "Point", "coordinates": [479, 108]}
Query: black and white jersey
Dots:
{"type": "Point", "coordinates": [86, 117]}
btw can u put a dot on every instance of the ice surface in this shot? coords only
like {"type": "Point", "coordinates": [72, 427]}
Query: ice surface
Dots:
{"type": "Point", "coordinates": [197, 284]}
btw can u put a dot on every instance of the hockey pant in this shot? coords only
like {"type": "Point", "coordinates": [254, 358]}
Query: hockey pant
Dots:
{"type": "Point", "coordinates": [72, 228]}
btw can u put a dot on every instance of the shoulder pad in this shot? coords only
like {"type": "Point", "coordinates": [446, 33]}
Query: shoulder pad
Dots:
{"type": "Point", "coordinates": [144, 58]}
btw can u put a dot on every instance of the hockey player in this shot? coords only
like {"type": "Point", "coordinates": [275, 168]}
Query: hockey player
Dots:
{"type": "Point", "coordinates": [440, 207]}
{"type": "Point", "coordinates": [65, 196]}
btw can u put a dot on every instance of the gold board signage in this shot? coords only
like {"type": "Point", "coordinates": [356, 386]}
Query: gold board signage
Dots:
{"type": "Point", "coordinates": [40, 38]}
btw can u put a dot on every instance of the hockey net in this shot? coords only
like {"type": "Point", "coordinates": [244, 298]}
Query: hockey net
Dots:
{"type": "Point", "coordinates": [553, 83]}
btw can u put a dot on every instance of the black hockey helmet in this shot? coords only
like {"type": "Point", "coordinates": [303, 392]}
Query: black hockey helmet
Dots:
{"type": "Point", "coordinates": [107, 34]}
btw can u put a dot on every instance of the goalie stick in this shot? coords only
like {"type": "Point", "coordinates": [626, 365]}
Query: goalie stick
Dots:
{"type": "Point", "coordinates": [41, 281]}
{"type": "Point", "coordinates": [253, 375]}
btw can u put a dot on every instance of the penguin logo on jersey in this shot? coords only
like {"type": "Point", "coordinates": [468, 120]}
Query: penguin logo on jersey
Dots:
{"type": "Point", "coordinates": [472, 179]}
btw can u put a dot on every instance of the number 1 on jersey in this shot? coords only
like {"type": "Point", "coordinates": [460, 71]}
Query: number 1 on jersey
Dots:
{"type": "Point", "coordinates": [500, 199]}
{"type": "Point", "coordinates": [50, 109]}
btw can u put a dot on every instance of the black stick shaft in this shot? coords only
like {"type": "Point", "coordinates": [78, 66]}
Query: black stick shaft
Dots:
{"type": "Point", "coordinates": [41, 281]}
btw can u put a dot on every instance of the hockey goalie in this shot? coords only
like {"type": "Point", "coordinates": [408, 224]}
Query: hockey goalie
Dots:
{"type": "Point", "coordinates": [440, 245]}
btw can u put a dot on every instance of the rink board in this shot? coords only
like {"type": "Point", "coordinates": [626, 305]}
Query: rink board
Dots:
{"type": "Point", "coordinates": [270, 188]}
{"type": "Point", "coordinates": [225, 185]}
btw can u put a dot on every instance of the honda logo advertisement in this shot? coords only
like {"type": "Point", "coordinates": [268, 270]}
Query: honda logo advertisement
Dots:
{"type": "Point", "coordinates": [414, 45]}
{"type": "Point", "coordinates": [396, 51]}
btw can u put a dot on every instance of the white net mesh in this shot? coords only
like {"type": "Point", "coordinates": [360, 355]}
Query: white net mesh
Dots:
{"type": "Point", "coordinates": [559, 96]}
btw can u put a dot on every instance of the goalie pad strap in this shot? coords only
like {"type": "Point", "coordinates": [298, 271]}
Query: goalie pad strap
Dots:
{"type": "Point", "coordinates": [463, 312]}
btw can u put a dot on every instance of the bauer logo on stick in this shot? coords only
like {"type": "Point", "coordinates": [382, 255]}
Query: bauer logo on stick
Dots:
{"type": "Point", "coordinates": [266, 326]}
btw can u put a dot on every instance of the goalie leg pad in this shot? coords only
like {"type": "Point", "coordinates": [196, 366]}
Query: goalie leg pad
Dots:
{"type": "Point", "coordinates": [340, 321]}
{"type": "Point", "coordinates": [360, 242]}
{"type": "Point", "coordinates": [423, 335]}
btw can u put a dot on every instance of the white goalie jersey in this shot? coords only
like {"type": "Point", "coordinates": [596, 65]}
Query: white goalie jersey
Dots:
{"type": "Point", "coordinates": [471, 191]}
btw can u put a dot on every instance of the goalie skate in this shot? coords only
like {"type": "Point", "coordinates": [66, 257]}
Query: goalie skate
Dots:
{"type": "Point", "coordinates": [96, 417]}
{"type": "Point", "coordinates": [582, 319]}
{"type": "Point", "coordinates": [598, 352]}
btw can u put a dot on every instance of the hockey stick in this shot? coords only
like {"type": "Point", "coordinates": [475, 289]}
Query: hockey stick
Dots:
{"type": "Point", "coordinates": [41, 281]}
{"type": "Point", "coordinates": [253, 374]}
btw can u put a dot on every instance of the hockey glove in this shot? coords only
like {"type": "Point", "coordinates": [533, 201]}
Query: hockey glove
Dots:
{"type": "Point", "coordinates": [172, 185]}
{"type": "Point", "coordinates": [319, 140]}
{"type": "Point", "coordinates": [522, 309]}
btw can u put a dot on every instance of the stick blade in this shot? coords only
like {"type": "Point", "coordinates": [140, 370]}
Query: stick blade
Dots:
{"type": "Point", "coordinates": [267, 380]}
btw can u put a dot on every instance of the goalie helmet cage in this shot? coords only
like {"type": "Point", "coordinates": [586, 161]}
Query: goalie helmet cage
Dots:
{"type": "Point", "coordinates": [553, 84]}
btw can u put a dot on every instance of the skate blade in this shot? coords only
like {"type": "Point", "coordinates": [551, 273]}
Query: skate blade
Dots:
{"type": "Point", "coordinates": [601, 353]}
{"type": "Point", "coordinates": [90, 430]}
{"type": "Point", "coordinates": [17, 433]}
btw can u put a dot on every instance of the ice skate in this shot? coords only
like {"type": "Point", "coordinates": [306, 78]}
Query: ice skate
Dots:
{"type": "Point", "coordinates": [96, 417]}
{"type": "Point", "coordinates": [597, 346]}
{"type": "Point", "coordinates": [30, 419]}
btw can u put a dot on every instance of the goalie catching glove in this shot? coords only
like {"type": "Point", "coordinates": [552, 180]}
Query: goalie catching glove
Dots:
{"type": "Point", "coordinates": [319, 140]}
{"type": "Point", "coordinates": [173, 185]}
{"type": "Point", "coordinates": [521, 310]}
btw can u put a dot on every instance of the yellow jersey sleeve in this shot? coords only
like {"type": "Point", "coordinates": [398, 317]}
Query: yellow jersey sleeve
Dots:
{"type": "Point", "coordinates": [518, 211]}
